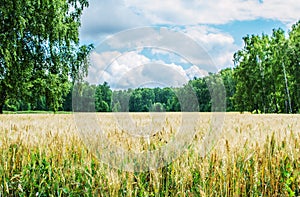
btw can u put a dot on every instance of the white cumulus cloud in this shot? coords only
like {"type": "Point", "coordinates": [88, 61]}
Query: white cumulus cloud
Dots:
{"type": "Point", "coordinates": [215, 11]}
{"type": "Point", "coordinates": [132, 70]}
{"type": "Point", "coordinates": [219, 45]}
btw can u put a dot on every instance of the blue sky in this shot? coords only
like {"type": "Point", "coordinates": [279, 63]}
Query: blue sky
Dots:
{"type": "Point", "coordinates": [239, 29]}
{"type": "Point", "coordinates": [217, 26]}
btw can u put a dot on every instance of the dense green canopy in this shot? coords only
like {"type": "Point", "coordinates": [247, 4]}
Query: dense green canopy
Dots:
{"type": "Point", "coordinates": [39, 49]}
{"type": "Point", "coordinates": [268, 73]}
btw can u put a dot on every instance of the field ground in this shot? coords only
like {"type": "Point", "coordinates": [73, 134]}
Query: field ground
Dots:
{"type": "Point", "coordinates": [255, 155]}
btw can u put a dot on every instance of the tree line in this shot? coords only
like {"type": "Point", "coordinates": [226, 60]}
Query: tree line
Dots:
{"type": "Point", "coordinates": [101, 98]}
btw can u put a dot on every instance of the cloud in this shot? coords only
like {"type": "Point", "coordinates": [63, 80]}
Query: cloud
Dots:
{"type": "Point", "coordinates": [111, 65]}
{"type": "Point", "coordinates": [194, 71]}
{"type": "Point", "coordinates": [153, 75]}
{"type": "Point", "coordinates": [199, 48]}
{"type": "Point", "coordinates": [123, 62]}
{"type": "Point", "coordinates": [132, 70]}
{"type": "Point", "coordinates": [105, 17]}
{"type": "Point", "coordinates": [161, 38]}
{"type": "Point", "coordinates": [206, 47]}
{"type": "Point", "coordinates": [99, 63]}
{"type": "Point", "coordinates": [219, 45]}
{"type": "Point", "coordinates": [215, 11]}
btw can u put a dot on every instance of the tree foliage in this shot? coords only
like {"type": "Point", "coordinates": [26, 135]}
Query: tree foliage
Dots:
{"type": "Point", "coordinates": [39, 50]}
{"type": "Point", "coordinates": [103, 95]}
{"type": "Point", "coordinates": [267, 73]}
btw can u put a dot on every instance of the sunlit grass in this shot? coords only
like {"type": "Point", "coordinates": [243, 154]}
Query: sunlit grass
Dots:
{"type": "Point", "coordinates": [256, 155]}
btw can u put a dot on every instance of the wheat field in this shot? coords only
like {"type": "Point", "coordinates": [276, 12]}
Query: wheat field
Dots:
{"type": "Point", "coordinates": [254, 155]}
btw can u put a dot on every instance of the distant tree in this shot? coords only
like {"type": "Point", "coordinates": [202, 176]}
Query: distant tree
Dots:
{"type": "Point", "coordinates": [186, 99]}
{"type": "Point", "coordinates": [174, 103]}
{"type": "Point", "coordinates": [164, 96]}
{"type": "Point", "coordinates": [103, 98]}
{"type": "Point", "coordinates": [157, 107]}
{"type": "Point", "coordinates": [203, 95]}
{"type": "Point", "coordinates": [230, 85]}
{"type": "Point", "coordinates": [116, 107]}
{"type": "Point", "coordinates": [141, 100]}
{"type": "Point", "coordinates": [120, 100]}
{"type": "Point", "coordinates": [83, 97]}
